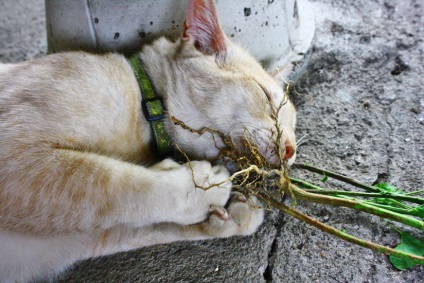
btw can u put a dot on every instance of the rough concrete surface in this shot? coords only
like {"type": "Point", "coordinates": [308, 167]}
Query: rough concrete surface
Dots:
{"type": "Point", "coordinates": [360, 102]}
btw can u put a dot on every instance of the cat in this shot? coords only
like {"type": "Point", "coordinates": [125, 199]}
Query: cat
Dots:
{"type": "Point", "coordinates": [78, 176]}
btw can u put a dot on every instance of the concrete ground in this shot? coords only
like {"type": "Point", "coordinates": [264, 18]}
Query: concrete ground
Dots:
{"type": "Point", "coordinates": [360, 102]}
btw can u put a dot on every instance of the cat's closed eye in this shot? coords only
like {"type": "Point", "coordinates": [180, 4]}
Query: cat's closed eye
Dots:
{"type": "Point", "coordinates": [266, 92]}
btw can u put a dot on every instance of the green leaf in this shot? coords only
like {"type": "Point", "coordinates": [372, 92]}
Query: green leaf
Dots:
{"type": "Point", "coordinates": [386, 188]}
{"type": "Point", "coordinates": [324, 179]}
{"type": "Point", "coordinates": [408, 244]}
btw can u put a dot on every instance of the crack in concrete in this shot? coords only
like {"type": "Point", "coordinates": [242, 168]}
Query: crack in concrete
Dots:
{"type": "Point", "coordinates": [383, 177]}
{"type": "Point", "coordinates": [389, 138]}
{"type": "Point", "coordinates": [272, 253]}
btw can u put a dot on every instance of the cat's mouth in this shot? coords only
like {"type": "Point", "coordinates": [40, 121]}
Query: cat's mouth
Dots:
{"type": "Point", "coordinates": [262, 151]}
{"type": "Point", "coordinates": [259, 151]}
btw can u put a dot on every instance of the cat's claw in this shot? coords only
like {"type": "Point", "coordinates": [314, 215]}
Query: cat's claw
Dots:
{"type": "Point", "coordinates": [220, 212]}
{"type": "Point", "coordinates": [238, 197]}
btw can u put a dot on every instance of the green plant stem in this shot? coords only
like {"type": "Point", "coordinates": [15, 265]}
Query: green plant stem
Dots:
{"type": "Point", "coordinates": [319, 190]}
{"type": "Point", "coordinates": [357, 205]}
{"type": "Point", "coordinates": [352, 182]}
{"type": "Point", "coordinates": [394, 209]}
{"type": "Point", "coordinates": [305, 184]}
{"type": "Point", "coordinates": [331, 230]}
{"type": "Point", "coordinates": [337, 177]}
{"type": "Point", "coordinates": [357, 194]}
{"type": "Point", "coordinates": [414, 193]}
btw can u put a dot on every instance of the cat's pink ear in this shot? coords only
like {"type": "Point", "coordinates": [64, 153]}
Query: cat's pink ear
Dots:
{"type": "Point", "coordinates": [202, 26]}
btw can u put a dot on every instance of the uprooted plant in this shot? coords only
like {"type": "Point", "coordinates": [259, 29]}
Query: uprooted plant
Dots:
{"type": "Point", "coordinates": [254, 176]}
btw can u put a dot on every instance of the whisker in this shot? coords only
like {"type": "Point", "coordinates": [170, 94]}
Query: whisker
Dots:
{"type": "Point", "coordinates": [302, 140]}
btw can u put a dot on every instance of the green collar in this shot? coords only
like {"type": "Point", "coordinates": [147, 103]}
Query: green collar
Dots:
{"type": "Point", "coordinates": [153, 108]}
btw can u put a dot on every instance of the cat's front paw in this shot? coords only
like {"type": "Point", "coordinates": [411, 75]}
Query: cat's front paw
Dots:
{"type": "Point", "coordinates": [242, 217]}
{"type": "Point", "coordinates": [191, 189]}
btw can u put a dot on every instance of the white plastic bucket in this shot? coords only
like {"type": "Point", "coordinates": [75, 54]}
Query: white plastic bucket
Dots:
{"type": "Point", "coordinates": [276, 32]}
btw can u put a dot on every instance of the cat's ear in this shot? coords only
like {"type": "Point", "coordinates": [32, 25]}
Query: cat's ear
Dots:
{"type": "Point", "coordinates": [202, 27]}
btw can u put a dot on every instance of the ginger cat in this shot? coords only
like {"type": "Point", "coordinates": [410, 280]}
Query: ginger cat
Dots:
{"type": "Point", "coordinates": [78, 178]}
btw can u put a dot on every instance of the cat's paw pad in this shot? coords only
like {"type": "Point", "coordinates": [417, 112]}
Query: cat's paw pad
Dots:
{"type": "Point", "coordinates": [247, 213]}
{"type": "Point", "coordinates": [242, 217]}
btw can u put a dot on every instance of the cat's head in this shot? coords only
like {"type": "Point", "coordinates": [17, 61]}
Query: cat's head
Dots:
{"type": "Point", "coordinates": [227, 91]}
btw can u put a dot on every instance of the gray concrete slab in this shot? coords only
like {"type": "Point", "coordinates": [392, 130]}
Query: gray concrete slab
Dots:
{"type": "Point", "coordinates": [361, 102]}
{"type": "Point", "coordinates": [22, 30]}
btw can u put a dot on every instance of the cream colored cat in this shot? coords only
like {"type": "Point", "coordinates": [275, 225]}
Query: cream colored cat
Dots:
{"type": "Point", "coordinates": [76, 175]}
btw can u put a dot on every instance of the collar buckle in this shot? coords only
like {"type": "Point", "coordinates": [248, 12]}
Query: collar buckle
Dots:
{"type": "Point", "coordinates": [153, 109]}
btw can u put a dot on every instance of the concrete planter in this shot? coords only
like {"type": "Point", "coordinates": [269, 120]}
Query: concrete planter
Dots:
{"type": "Point", "coordinates": [274, 31]}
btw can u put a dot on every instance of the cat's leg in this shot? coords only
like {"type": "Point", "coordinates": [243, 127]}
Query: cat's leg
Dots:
{"type": "Point", "coordinates": [27, 257]}
{"type": "Point", "coordinates": [242, 217]}
{"type": "Point", "coordinates": [63, 191]}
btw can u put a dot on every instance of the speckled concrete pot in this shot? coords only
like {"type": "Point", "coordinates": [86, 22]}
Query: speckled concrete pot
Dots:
{"type": "Point", "coordinates": [274, 31]}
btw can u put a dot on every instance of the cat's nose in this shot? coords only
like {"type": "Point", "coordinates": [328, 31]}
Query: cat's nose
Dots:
{"type": "Point", "coordinates": [289, 152]}
{"type": "Point", "coordinates": [273, 158]}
